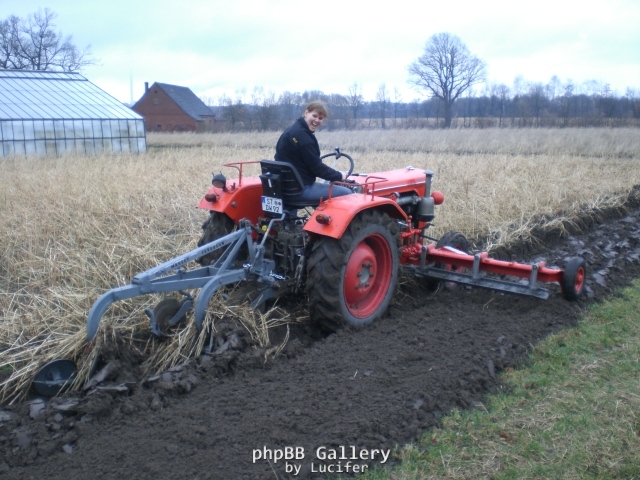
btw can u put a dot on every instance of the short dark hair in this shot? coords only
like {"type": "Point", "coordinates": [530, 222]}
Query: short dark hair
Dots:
{"type": "Point", "coordinates": [318, 106]}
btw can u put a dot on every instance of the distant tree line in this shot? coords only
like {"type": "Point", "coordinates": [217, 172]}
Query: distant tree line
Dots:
{"type": "Point", "coordinates": [522, 105]}
{"type": "Point", "coordinates": [446, 72]}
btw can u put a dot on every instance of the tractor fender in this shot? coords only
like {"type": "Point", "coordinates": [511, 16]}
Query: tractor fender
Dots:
{"type": "Point", "coordinates": [337, 213]}
{"type": "Point", "coordinates": [237, 202]}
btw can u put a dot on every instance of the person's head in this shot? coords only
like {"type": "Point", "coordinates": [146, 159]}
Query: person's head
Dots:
{"type": "Point", "coordinates": [314, 114]}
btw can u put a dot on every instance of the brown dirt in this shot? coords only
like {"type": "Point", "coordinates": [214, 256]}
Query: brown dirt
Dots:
{"type": "Point", "coordinates": [371, 388]}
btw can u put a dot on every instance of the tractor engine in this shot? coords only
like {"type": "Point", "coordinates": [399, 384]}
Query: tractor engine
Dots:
{"type": "Point", "coordinates": [286, 246]}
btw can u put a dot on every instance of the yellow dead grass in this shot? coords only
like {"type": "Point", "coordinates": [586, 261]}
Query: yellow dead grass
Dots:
{"type": "Point", "coordinates": [74, 227]}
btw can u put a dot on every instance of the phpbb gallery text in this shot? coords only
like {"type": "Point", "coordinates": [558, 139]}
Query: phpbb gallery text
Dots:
{"type": "Point", "coordinates": [341, 459]}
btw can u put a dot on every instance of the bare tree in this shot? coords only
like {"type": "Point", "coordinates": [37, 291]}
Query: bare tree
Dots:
{"type": "Point", "coordinates": [355, 99]}
{"type": "Point", "coordinates": [33, 44]}
{"type": "Point", "coordinates": [503, 94]}
{"type": "Point", "coordinates": [382, 98]}
{"type": "Point", "coordinates": [264, 108]}
{"type": "Point", "coordinates": [445, 70]}
{"type": "Point", "coordinates": [290, 106]}
{"type": "Point", "coordinates": [234, 111]}
{"type": "Point", "coordinates": [537, 100]}
{"type": "Point", "coordinates": [397, 100]}
{"type": "Point", "coordinates": [339, 111]}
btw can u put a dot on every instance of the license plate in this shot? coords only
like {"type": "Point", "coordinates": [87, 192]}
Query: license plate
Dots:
{"type": "Point", "coordinates": [272, 205]}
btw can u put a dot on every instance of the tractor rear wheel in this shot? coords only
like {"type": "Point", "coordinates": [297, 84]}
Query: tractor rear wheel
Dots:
{"type": "Point", "coordinates": [216, 226]}
{"type": "Point", "coordinates": [351, 280]}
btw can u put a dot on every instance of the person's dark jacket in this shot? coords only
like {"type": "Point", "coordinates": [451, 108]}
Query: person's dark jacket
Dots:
{"type": "Point", "coordinates": [299, 146]}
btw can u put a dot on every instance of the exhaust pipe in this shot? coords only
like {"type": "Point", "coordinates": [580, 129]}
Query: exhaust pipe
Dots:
{"type": "Point", "coordinates": [426, 210]}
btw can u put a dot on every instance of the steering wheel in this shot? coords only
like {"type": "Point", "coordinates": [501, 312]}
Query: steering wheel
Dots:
{"type": "Point", "coordinates": [337, 153]}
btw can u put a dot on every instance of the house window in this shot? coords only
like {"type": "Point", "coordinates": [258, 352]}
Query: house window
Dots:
{"type": "Point", "coordinates": [158, 127]}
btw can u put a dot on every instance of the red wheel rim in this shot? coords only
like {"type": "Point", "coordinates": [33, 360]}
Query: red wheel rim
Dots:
{"type": "Point", "coordinates": [579, 281]}
{"type": "Point", "coordinates": [367, 276]}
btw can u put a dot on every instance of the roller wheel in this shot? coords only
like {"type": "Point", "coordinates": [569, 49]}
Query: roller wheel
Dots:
{"type": "Point", "coordinates": [351, 280]}
{"type": "Point", "coordinates": [164, 312]}
{"type": "Point", "coordinates": [457, 241]}
{"type": "Point", "coordinates": [573, 279]}
{"type": "Point", "coordinates": [216, 226]}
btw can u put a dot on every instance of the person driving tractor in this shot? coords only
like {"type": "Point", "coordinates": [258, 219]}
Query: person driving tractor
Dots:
{"type": "Point", "coordinates": [298, 146]}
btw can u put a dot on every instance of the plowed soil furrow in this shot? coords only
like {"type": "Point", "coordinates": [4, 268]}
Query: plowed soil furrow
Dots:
{"type": "Point", "coordinates": [371, 388]}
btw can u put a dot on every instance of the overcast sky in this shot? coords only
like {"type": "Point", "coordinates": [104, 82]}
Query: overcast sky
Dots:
{"type": "Point", "coordinates": [219, 47]}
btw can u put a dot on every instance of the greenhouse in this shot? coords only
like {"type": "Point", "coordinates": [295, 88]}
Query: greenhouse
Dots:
{"type": "Point", "coordinates": [57, 113]}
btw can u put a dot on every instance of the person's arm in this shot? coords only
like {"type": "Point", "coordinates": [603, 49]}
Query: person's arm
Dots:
{"type": "Point", "coordinates": [315, 165]}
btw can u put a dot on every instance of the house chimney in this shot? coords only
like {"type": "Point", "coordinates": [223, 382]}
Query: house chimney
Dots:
{"type": "Point", "coordinates": [146, 87]}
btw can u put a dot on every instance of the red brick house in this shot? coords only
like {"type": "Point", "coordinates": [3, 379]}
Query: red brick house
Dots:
{"type": "Point", "coordinates": [171, 108]}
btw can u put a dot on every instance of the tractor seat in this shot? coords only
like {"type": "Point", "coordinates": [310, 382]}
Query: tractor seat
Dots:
{"type": "Point", "coordinates": [282, 180]}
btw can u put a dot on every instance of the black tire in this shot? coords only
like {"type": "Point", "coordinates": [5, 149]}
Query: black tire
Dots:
{"type": "Point", "coordinates": [351, 280]}
{"type": "Point", "coordinates": [574, 278]}
{"type": "Point", "coordinates": [457, 241]}
{"type": "Point", "coordinates": [164, 312]}
{"type": "Point", "coordinates": [216, 226]}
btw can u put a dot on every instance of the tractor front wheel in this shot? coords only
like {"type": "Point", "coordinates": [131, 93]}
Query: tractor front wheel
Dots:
{"type": "Point", "coordinates": [216, 226]}
{"type": "Point", "coordinates": [351, 280]}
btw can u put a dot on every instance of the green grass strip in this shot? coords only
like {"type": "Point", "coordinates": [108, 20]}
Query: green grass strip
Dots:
{"type": "Point", "coordinates": [574, 413]}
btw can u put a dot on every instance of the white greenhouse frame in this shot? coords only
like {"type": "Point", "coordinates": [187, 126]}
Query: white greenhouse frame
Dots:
{"type": "Point", "coordinates": [57, 113]}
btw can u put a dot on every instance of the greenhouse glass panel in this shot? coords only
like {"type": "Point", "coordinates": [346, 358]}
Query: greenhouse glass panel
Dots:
{"type": "Point", "coordinates": [41, 147]}
{"type": "Point", "coordinates": [124, 145]}
{"type": "Point", "coordinates": [106, 129]}
{"type": "Point", "coordinates": [124, 128]}
{"type": "Point", "coordinates": [38, 128]}
{"type": "Point", "coordinates": [61, 146]}
{"type": "Point", "coordinates": [88, 129]}
{"type": "Point", "coordinates": [142, 145]}
{"type": "Point", "coordinates": [29, 133]}
{"type": "Point", "coordinates": [80, 150]}
{"type": "Point", "coordinates": [18, 148]}
{"type": "Point", "coordinates": [116, 145]}
{"type": "Point", "coordinates": [88, 146]}
{"type": "Point", "coordinates": [68, 130]}
{"type": "Point", "coordinates": [51, 147]}
{"type": "Point", "coordinates": [115, 129]}
{"type": "Point", "coordinates": [7, 130]}
{"type": "Point", "coordinates": [7, 148]}
{"type": "Point", "coordinates": [98, 145]}
{"type": "Point", "coordinates": [70, 145]}
{"type": "Point", "coordinates": [97, 128]}
{"type": "Point", "coordinates": [139, 128]}
{"type": "Point", "coordinates": [58, 126]}
{"type": "Point", "coordinates": [131, 127]}
{"type": "Point", "coordinates": [133, 145]}
{"type": "Point", "coordinates": [78, 129]}
{"type": "Point", "coordinates": [4, 113]}
{"type": "Point", "coordinates": [106, 143]}
{"type": "Point", "coordinates": [18, 130]}
{"type": "Point", "coordinates": [26, 111]}
{"type": "Point", "coordinates": [30, 147]}
{"type": "Point", "coordinates": [48, 128]}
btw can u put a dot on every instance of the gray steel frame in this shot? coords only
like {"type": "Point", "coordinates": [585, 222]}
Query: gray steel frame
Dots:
{"type": "Point", "coordinates": [209, 278]}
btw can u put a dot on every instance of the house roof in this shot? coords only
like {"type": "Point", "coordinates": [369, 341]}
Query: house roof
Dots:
{"type": "Point", "coordinates": [35, 94]}
{"type": "Point", "coordinates": [186, 100]}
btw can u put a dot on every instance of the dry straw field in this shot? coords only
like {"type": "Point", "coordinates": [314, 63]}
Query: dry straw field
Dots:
{"type": "Point", "coordinates": [74, 227]}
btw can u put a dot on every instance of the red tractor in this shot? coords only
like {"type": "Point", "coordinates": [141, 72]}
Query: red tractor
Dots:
{"type": "Point", "coordinates": [345, 252]}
